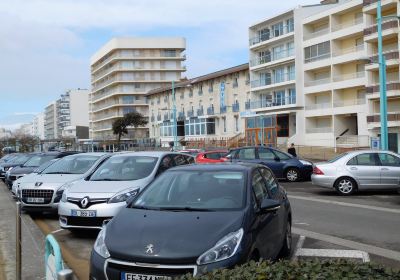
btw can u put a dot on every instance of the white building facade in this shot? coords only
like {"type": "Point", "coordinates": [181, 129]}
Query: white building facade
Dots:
{"type": "Point", "coordinates": [38, 126]}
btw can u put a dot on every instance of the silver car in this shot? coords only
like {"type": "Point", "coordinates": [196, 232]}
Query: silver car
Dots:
{"type": "Point", "coordinates": [89, 202]}
{"type": "Point", "coordinates": [359, 170]}
{"type": "Point", "coordinates": [45, 190]}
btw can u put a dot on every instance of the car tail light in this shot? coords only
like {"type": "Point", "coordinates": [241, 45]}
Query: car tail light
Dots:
{"type": "Point", "coordinates": [317, 171]}
{"type": "Point", "coordinates": [224, 159]}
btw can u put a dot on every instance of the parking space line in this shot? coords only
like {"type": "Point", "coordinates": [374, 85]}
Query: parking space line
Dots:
{"type": "Point", "coordinates": [333, 253]}
{"type": "Point", "coordinates": [299, 244]}
{"type": "Point", "coordinates": [58, 230]}
{"type": "Point", "coordinates": [369, 207]}
{"type": "Point", "coordinates": [386, 253]}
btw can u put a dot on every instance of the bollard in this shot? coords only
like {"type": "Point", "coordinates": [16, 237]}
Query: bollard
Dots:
{"type": "Point", "coordinates": [18, 243]}
{"type": "Point", "coordinates": [65, 274]}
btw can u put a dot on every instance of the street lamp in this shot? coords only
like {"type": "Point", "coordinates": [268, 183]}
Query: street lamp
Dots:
{"type": "Point", "coordinates": [174, 116]}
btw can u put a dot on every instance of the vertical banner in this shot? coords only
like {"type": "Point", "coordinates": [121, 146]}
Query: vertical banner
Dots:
{"type": "Point", "coordinates": [222, 95]}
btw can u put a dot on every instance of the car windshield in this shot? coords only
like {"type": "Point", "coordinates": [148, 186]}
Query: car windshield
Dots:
{"type": "Point", "coordinates": [38, 160]}
{"type": "Point", "coordinates": [42, 167]}
{"type": "Point", "coordinates": [78, 164]}
{"type": "Point", "coordinates": [125, 168]}
{"type": "Point", "coordinates": [194, 190]}
{"type": "Point", "coordinates": [337, 158]}
{"type": "Point", "coordinates": [20, 159]}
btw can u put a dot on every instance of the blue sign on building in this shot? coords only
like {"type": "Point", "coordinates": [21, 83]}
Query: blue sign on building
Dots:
{"type": "Point", "coordinates": [222, 95]}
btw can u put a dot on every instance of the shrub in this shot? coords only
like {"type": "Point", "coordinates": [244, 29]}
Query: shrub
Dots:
{"type": "Point", "coordinates": [303, 270]}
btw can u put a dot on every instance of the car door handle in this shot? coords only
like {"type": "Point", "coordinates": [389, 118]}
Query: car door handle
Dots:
{"type": "Point", "coordinates": [353, 168]}
{"type": "Point", "coordinates": [385, 169]}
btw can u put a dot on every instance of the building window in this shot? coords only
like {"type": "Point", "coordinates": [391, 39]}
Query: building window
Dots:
{"type": "Point", "coordinates": [290, 25]}
{"type": "Point", "coordinates": [127, 99]}
{"type": "Point", "coordinates": [224, 123]}
{"type": "Point", "coordinates": [277, 29]}
{"type": "Point", "coordinates": [317, 52]}
{"type": "Point", "coordinates": [263, 34]}
{"type": "Point", "coordinates": [195, 126]}
{"type": "Point", "coordinates": [235, 81]}
{"type": "Point", "coordinates": [236, 123]}
{"type": "Point", "coordinates": [291, 71]}
{"type": "Point", "coordinates": [128, 110]}
{"type": "Point", "coordinates": [292, 96]}
{"type": "Point", "coordinates": [170, 53]}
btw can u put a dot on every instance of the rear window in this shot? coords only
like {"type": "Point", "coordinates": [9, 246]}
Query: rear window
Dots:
{"type": "Point", "coordinates": [216, 155]}
{"type": "Point", "coordinates": [338, 157]}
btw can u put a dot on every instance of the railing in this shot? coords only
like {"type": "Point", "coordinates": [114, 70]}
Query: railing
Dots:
{"type": "Point", "coordinates": [317, 58]}
{"type": "Point", "coordinates": [389, 86]}
{"type": "Point", "coordinates": [351, 102]}
{"type": "Point", "coordinates": [107, 115]}
{"type": "Point", "coordinates": [353, 49]}
{"type": "Point", "coordinates": [268, 36]}
{"type": "Point", "coordinates": [210, 111]}
{"type": "Point", "coordinates": [222, 109]}
{"type": "Point", "coordinates": [316, 34]}
{"type": "Point", "coordinates": [118, 102]}
{"type": "Point", "coordinates": [392, 77]}
{"type": "Point", "coordinates": [319, 129]}
{"type": "Point", "coordinates": [317, 82]}
{"type": "Point", "coordinates": [353, 141]}
{"type": "Point", "coordinates": [286, 77]}
{"type": "Point", "coordinates": [349, 76]}
{"type": "Point", "coordinates": [391, 23]}
{"type": "Point", "coordinates": [391, 117]}
{"type": "Point", "coordinates": [235, 107]}
{"type": "Point", "coordinates": [318, 106]}
{"type": "Point", "coordinates": [346, 24]}
{"type": "Point", "coordinates": [391, 54]}
{"type": "Point", "coordinates": [200, 112]}
{"type": "Point", "coordinates": [272, 57]}
{"type": "Point", "coordinates": [289, 100]}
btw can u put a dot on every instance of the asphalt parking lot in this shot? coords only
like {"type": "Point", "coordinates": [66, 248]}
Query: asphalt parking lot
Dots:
{"type": "Point", "coordinates": [365, 222]}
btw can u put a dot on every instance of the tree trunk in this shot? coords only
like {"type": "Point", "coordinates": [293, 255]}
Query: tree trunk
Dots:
{"type": "Point", "coordinates": [119, 142]}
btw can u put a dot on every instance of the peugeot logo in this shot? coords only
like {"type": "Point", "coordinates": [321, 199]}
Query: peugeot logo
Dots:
{"type": "Point", "coordinates": [150, 249]}
{"type": "Point", "coordinates": [38, 184]}
{"type": "Point", "coordinates": [85, 202]}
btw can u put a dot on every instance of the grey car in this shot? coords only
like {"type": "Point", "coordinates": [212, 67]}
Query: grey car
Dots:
{"type": "Point", "coordinates": [88, 202]}
{"type": "Point", "coordinates": [359, 170]}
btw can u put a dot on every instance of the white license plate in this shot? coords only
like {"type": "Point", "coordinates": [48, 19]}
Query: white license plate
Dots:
{"type": "Point", "coordinates": [133, 276]}
{"type": "Point", "coordinates": [83, 213]}
{"type": "Point", "coordinates": [35, 200]}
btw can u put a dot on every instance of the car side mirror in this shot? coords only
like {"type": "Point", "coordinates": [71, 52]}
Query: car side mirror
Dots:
{"type": "Point", "coordinates": [277, 159]}
{"type": "Point", "coordinates": [270, 205]}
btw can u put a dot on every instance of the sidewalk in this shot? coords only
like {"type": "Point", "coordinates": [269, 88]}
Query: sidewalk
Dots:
{"type": "Point", "coordinates": [32, 242]}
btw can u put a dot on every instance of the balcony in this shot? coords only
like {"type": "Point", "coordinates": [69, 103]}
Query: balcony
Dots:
{"type": "Point", "coordinates": [272, 57]}
{"type": "Point", "coordinates": [210, 111]}
{"type": "Point", "coordinates": [190, 113]}
{"type": "Point", "coordinates": [318, 82]}
{"type": "Point", "coordinates": [347, 24]}
{"type": "Point", "coordinates": [391, 117]}
{"type": "Point", "coordinates": [318, 106]}
{"type": "Point", "coordinates": [235, 107]}
{"type": "Point", "coordinates": [271, 35]}
{"type": "Point", "coordinates": [222, 109]}
{"type": "Point", "coordinates": [327, 129]}
{"type": "Point", "coordinates": [350, 102]}
{"type": "Point", "coordinates": [264, 103]}
{"type": "Point", "coordinates": [391, 86]}
{"type": "Point", "coordinates": [350, 76]}
{"type": "Point", "coordinates": [350, 50]}
{"type": "Point", "coordinates": [286, 77]}
{"type": "Point", "coordinates": [317, 58]}
{"type": "Point", "coordinates": [200, 112]}
{"type": "Point", "coordinates": [392, 23]}
{"type": "Point", "coordinates": [311, 35]}
{"type": "Point", "coordinates": [389, 55]}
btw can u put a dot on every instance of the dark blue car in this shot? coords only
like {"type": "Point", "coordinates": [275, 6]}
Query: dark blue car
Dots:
{"type": "Point", "coordinates": [284, 165]}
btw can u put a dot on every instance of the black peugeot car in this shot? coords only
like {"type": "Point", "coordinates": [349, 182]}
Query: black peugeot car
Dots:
{"type": "Point", "coordinates": [17, 160]}
{"type": "Point", "coordinates": [194, 219]}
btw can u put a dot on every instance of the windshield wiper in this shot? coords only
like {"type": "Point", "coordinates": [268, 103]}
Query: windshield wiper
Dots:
{"type": "Point", "coordinates": [144, 207]}
{"type": "Point", "coordinates": [188, 209]}
{"type": "Point", "coordinates": [59, 172]}
{"type": "Point", "coordinates": [105, 179]}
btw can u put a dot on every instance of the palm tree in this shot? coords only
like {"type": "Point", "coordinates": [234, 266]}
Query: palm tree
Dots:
{"type": "Point", "coordinates": [120, 125]}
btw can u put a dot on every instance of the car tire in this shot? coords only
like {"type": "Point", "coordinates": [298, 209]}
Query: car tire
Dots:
{"type": "Point", "coordinates": [286, 249]}
{"type": "Point", "coordinates": [292, 174]}
{"type": "Point", "coordinates": [345, 186]}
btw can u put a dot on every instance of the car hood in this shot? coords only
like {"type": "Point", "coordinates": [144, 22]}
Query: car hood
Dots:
{"type": "Point", "coordinates": [50, 181]}
{"type": "Point", "coordinates": [102, 187]}
{"type": "Point", "coordinates": [177, 237]}
{"type": "Point", "coordinates": [22, 170]}
{"type": "Point", "coordinates": [28, 178]}
{"type": "Point", "coordinates": [4, 165]}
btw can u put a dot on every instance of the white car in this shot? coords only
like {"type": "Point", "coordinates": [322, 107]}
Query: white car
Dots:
{"type": "Point", "coordinates": [45, 190]}
{"type": "Point", "coordinates": [87, 203]}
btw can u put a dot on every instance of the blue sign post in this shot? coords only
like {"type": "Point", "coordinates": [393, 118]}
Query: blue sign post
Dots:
{"type": "Point", "coordinates": [53, 258]}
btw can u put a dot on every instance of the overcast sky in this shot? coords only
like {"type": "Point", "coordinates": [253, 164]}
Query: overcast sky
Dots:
{"type": "Point", "coordinates": [45, 45]}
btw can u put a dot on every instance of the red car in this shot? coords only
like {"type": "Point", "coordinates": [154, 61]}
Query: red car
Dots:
{"type": "Point", "coordinates": [211, 156]}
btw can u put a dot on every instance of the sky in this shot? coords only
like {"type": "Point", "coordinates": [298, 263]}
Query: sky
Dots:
{"type": "Point", "coordinates": [46, 45]}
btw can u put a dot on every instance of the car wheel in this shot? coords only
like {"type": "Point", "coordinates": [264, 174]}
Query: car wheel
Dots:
{"type": "Point", "coordinates": [287, 242]}
{"type": "Point", "coordinates": [292, 174]}
{"type": "Point", "coordinates": [345, 186]}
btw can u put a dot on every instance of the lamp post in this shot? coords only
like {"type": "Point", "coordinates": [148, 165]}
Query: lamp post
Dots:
{"type": "Point", "coordinates": [382, 82]}
{"type": "Point", "coordinates": [174, 116]}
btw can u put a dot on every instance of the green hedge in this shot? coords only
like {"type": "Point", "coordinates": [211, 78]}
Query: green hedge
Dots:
{"type": "Point", "coordinates": [303, 270]}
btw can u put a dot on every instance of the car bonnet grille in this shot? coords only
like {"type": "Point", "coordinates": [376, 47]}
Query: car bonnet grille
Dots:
{"type": "Point", "coordinates": [33, 193]}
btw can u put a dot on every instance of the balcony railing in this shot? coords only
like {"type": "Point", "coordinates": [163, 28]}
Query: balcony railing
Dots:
{"type": "Point", "coordinates": [166, 117]}
{"type": "Point", "coordinates": [347, 24]}
{"type": "Point", "coordinates": [190, 113]}
{"type": "Point", "coordinates": [315, 34]}
{"type": "Point", "coordinates": [210, 111]}
{"type": "Point", "coordinates": [392, 23]}
{"type": "Point", "coordinates": [289, 100]}
{"type": "Point", "coordinates": [235, 107]}
{"type": "Point", "coordinates": [351, 102]}
{"type": "Point", "coordinates": [391, 117]}
{"type": "Point", "coordinates": [286, 77]}
{"type": "Point", "coordinates": [353, 49]}
{"type": "Point", "coordinates": [272, 57]}
{"type": "Point", "coordinates": [317, 58]}
{"type": "Point", "coordinates": [222, 109]}
{"type": "Point", "coordinates": [200, 112]}
{"type": "Point", "coordinates": [389, 86]}
{"type": "Point", "coordinates": [268, 36]}
{"type": "Point", "coordinates": [312, 83]}
{"type": "Point", "coordinates": [118, 102]}
{"type": "Point", "coordinates": [327, 129]}
{"type": "Point", "coordinates": [392, 54]}
{"type": "Point", "coordinates": [349, 76]}
{"type": "Point", "coordinates": [319, 106]}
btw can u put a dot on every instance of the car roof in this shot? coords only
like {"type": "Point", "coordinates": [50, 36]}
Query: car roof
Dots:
{"type": "Point", "coordinates": [353, 153]}
{"type": "Point", "coordinates": [242, 166]}
{"type": "Point", "coordinates": [147, 153]}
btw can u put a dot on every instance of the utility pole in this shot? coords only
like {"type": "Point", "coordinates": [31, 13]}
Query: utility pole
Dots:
{"type": "Point", "coordinates": [174, 116]}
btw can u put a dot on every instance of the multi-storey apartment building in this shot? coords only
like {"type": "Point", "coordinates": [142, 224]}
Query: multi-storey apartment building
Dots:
{"type": "Point", "coordinates": [38, 126]}
{"type": "Point", "coordinates": [50, 121]}
{"type": "Point", "coordinates": [323, 92]}
{"type": "Point", "coordinates": [208, 107]}
{"type": "Point", "coordinates": [122, 73]}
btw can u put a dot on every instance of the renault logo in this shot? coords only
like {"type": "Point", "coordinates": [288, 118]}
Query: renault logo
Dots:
{"type": "Point", "coordinates": [85, 202]}
{"type": "Point", "coordinates": [150, 249]}
{"type": "Point", "coordinates": [38, 184]}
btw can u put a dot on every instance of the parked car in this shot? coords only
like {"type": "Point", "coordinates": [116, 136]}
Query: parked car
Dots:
{"type": "Point", "coordinates": [18, 160]}
{"type": "Point", "coordinates": [194, 219]}
{"type": "Point", "coordinates": [34, 162]}
{"type": "Point", "coordinates": [283, 165]}
{"type": "Point", "coordinates": [7, 157]}
{"type": "Point", "coordinates": [359, 170]}
{"type": "Point", "coordinates": [211, 156]}
{"type": "Point", "coordinates": [89, 202]}
{"type": "Point", "coordinates": [45, 192]}
{"type": "Point", "coordinates": [192, 152]}
{"type": "Point", "coordinates": [29, 178]}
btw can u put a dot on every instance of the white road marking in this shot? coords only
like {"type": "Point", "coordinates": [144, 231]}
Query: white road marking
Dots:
{"type": "Point", "coordinates": [390, 210]}
{"type": "Point", "coordinates": [299, 244]}
{"type": "Point", "coordinates": [386, 253]}
{"type": "Point", "coordinates": [302, 224]}
{"type": "Point", "coordinates": [58, 230]}
{"type": "Point", "coordinates": [333, 253]}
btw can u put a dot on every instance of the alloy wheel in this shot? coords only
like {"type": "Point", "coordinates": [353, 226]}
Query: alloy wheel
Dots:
{"type": "Point", "coordinates": [292, 175]}
{"type": "Point", "coordinates": [345, 186]}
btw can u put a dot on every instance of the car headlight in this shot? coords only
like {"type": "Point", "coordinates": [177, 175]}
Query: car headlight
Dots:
{"type": "Point", "coordinates": [124, 195]}
{"type": "Point", "coordinates": [304, 162]}
{"type": "Point", "coordinates": [64, 196]}
{"type": "Point", "coordinates": [8, 168]}
{"type": "Point", "coordinates": [224, 249]}
{"type": "Point", "coordinates": [100, 245]}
